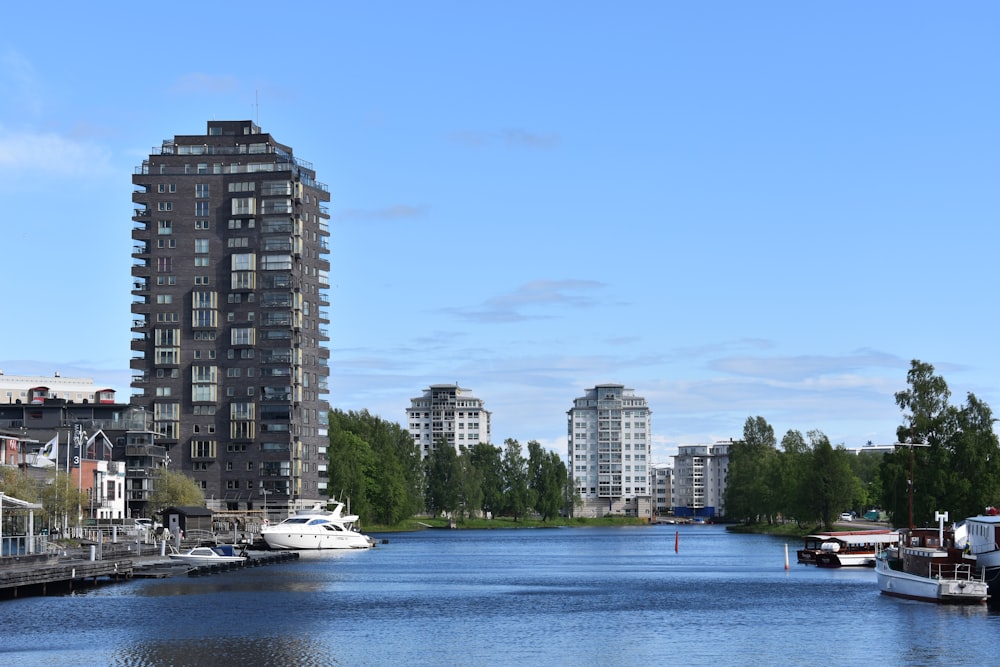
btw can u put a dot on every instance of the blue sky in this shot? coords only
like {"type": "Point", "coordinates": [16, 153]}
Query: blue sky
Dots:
{"type": "Point", "coordinates": [734, 208]}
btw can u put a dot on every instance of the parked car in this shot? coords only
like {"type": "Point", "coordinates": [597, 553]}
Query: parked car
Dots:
{"type": "Point", "coordinates": [846, 516]}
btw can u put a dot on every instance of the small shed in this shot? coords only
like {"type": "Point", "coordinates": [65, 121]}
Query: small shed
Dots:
{"type": "Point", "coordinates": [187, 519]}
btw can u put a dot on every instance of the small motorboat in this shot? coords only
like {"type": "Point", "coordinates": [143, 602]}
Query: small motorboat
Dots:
{"type": "Point", "coordinates": [209, 555]}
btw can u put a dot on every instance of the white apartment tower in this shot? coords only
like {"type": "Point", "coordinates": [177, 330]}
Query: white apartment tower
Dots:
{"type": "Point", "coordinates": [699, 480]}
{"type": "Point", "coordinates": [610, 448]}
{"type": "Point", "coordinates": [447, 413]}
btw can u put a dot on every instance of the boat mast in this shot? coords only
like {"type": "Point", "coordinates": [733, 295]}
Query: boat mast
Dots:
{"type": "Point", "coordinates": [911, 445]}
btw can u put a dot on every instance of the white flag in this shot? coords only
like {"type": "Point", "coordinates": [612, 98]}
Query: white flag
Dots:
{"type": "Point", "coordinates": [46, 456]}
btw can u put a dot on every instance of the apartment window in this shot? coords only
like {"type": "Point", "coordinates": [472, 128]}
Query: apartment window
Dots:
{"type": "Point", "coordinates": [201, 208]}
{"type": "Point", "coordinates": [242, 187]}
{"type": "Point", "coordinates": [164, 298]}
{"type": "Point", "coordinates": [244, 261]}
{"type": "Point", "coordinates": [242, 430]}
{"type": "Point", "coordinates": [164, 206]}
{"type": "Point", "coordinates": [238, 242]}
{"type": "Point", "coordinates": [201, 245]}
{"type": "Point", "coordinates": [164, 227]}
{"type": "Point", "coordinates": [201, 190]}
{"type": "Point", "coordinates": [163, 264]}
{"type": "Point", "coordinates": [203, 449]}
{"type": "Point", "coordinates": [243, 206]}
{"type": "Point", "coordinates": [201, 262]}
{"type": "Point", "coordinates": [276, 262]}
{"type": "Point", "coordinates": [202, 167]}
{"type": "Point", "coordinates": [201, 280]}
{"type": "Point", "coordinates": [243, 336]}
{"type": "Point", "coordinates": [201, 224]}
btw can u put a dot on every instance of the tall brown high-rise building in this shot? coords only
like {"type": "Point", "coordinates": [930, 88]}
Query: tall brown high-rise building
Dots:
{"type": "Point", "coordinates": [229, 312]}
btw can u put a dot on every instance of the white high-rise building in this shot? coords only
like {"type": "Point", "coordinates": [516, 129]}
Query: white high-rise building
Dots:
{"type": "Point", "coordinates": [699, 480]}
{"type": "Point", "coordinates": [610, 451]}
{"type": "Point", "coordinates": [661, 474]}
{"type": "Point", "coordinates": [450, 414]}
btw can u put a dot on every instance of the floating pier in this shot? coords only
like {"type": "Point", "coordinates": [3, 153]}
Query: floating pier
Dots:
{"type": "Point", "coordinates": [251, 561]}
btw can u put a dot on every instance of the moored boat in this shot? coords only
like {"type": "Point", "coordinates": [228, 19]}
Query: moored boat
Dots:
{"type": "Point", "coordinates": [317, 528]}
{"type": "Point", "coordinates": [982, 537]}
{"type": "Point", "coordinates": [856, 548]}
{"type": "Point", "coordinates": [208, 556]}
{"type": "Point", "coordinates": [929, 566]}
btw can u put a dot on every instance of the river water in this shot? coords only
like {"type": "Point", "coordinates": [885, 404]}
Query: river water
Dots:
{"type": "Point", "coordinates": [565, 596]}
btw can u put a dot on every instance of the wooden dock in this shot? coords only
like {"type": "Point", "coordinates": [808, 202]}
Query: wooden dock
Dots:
{"type": "Point", "coordinates": [43, 576]}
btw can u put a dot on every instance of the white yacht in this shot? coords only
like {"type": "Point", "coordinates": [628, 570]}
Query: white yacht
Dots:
{"type": "Point", "coordinates": [317, 528]}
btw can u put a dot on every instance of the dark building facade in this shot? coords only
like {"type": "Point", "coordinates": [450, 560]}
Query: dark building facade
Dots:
{"type": "Point", "coordinates": [230, 272]}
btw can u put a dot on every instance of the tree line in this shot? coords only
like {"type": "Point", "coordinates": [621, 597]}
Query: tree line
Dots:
{"type": "Point", "coordinates": [955, 465]}
{"type": "Point", "coordinates": [378, 466]}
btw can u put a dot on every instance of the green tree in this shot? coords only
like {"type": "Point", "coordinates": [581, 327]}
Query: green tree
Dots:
{"type": "Point", "coordinates": [443, 479]}
{"type": "Point", "coordinates": [61, 499]}
{"type": "Point", "coordinates": [547, 478]}
{"type": "Point", "coordinates": [470, 487]}
{"type": "Point", "coordinates": [487, 459]}
{"type": "Point", "coordinates": [973, 477]}
{"type": "Point", "coordinates": [375, 464]}
{"type": "Point", "coordinates": [515, 477]}
{"type": "Point", "coordinates": [352, 469]}
{"type": "Point", "coordinates": [749, 495]}
{"type": "Point", "coordinates": [172, 488]}
{"type": "Point", "coordinates": [832, 484]}
{"type": "Point", "coordinates": [928, 424]}
{"type": "Point", "coordinates": [13, 483]}
{"type": "Point", "coordinates": [865, 466]}
{"type": "Point", "coordinates": [790, 476]}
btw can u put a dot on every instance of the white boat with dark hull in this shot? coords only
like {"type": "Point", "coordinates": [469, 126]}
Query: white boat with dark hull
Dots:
{"type": "Point", "coordinates": [929, 566]}
{"type": "Point", "coordinates": [224, 554]}
{"type": "Point", "coordinates": [856, 548]}
{"type": "Point", "coordinates": [317, 528]}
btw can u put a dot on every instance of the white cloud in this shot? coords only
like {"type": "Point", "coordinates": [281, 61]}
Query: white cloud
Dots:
{"type": "Point", "coordinates": [22, 152]}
